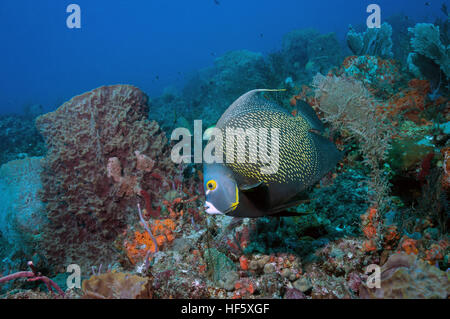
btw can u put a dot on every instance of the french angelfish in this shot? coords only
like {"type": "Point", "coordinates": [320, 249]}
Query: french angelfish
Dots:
{"type": "Point", "coordinates": [305, 156]}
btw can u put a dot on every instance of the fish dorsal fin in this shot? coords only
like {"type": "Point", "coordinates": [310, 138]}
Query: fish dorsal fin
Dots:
{"type": "Point", "coordinates": [308, 113]}
{"type": "Point", "coordinates": [249, 102]}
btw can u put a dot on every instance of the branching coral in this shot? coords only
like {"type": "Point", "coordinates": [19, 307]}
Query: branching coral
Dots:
{"type": "Point", "coordinates": [348, 105]}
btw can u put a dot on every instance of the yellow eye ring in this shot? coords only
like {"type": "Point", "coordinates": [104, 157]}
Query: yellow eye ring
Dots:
{"type": "Point", "coordinates": [211, 185]}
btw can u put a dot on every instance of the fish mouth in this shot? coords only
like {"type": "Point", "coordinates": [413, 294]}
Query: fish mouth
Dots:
{"type": "Point", "coordinates": [211, 209]}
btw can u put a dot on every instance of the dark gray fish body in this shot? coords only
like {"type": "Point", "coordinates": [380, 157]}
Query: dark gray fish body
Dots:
{"type": "Point", "coordinates": [243, 189]}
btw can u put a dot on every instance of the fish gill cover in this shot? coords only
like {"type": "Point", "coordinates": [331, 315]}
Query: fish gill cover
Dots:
{"type": "Point", "coordinates": [92, 204]}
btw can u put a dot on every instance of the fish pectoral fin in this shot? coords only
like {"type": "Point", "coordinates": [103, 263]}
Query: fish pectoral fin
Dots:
{"type": "Point", "coordinates": [258, 194]}
{"type": "Point", "coordinates": [245, 187]}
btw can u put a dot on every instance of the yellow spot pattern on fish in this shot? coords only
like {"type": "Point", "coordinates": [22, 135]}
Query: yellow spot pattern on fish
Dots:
{"type": "Point", "coordinates": [298, 157]}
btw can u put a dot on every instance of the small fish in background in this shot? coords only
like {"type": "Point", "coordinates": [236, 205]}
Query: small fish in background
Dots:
{"type": "Point", "coordinates": [261, 35]}
{"type": "Point", "coordinates": [216, 2]}
{"type": "Point", "coordinates": [427, 4]}
{"type": "Point", "coordinates": [305, 156]}
{"type": "Point", "coordinates": [157, 77]}
{"type": "Point", "coordinates": [444, 9]}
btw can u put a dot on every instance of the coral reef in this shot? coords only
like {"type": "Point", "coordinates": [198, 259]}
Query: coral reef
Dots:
{"type": "Point", "coordinates": [92, 173]}
{"type": "Point", "coordinates": [377, 74]}
{"type": "Point", "coordinates": [308, 52]}
{"type": "Point", "coordinates": [233, 74]}
{"type": "Point", "coordinates": [400, 37]}
{"type": "Point", "coordinates": [21, 218]}
{"type": "Point", "coordinates": [107, 194]}
{"type": "Point", "coordinates": [407, 277]}
{"type": "Point", "coordinates": [210, 91]}
{"type": "Point", "coordinates": [34, 276]}
{"type": "Point", "coordinates": [426, 41]}
{"type": "Point", "coordinates": [337, 209]}
{"type": "Point", "coordinates": [412, 101]}
{"type": "Point", "coordinates": [339, 271]}
{"type": "Point", "coordinates": [446, 167]}
{"type": "Point", "coordinates": [355, 111]}
{"type": "Point", "coordinates": [22, 214]}
{"type": "Point", "coordinates": [20, 138]}
{"type": "Point", "coordinates": [373, 42]}
{"type": "Point", "coordinates": [172, 109]}
{"type": "Point", "coordinates": [142, 242]}
{"type": "Point", "coordinates": [117, 285]}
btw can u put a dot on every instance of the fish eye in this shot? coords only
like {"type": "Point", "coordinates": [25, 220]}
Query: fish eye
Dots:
{"type": "Point", "coordinates": [211, 185]}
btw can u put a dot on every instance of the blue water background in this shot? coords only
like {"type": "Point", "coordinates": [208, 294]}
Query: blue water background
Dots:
{"type": "Point", "coordinates": [153, 44]}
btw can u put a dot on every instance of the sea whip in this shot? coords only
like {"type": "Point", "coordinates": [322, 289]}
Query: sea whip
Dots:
{"type": "Point", "coordinates": [155, 243]}
{"type": "Point", "coordinates": [34, 275]}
